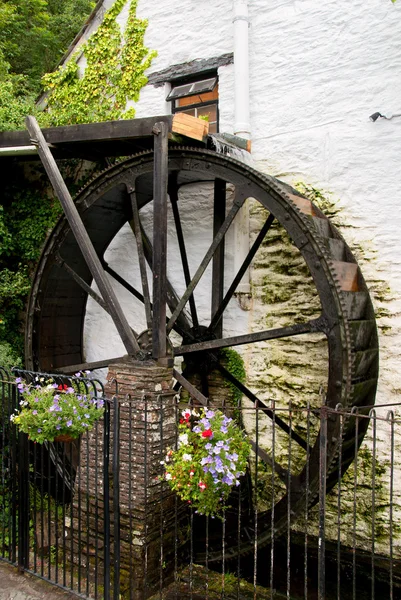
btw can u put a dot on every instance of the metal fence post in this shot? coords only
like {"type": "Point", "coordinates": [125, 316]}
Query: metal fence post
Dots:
{"type": "Point", "coordinates": [23, 502]}
{"type": "Point", "coordinates": [322, 501]}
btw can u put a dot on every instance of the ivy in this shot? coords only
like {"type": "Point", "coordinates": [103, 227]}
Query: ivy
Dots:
{"type": "Point", "coordinates": [114, 73]}
{"type": "Point", "coordinates": [234, 363]}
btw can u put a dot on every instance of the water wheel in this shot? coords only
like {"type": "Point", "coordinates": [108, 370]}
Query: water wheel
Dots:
{"type": "Point", "coordinates": [204, 315]}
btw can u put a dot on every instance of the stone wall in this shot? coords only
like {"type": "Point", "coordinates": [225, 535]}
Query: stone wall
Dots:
{"type": "Point", "coordinates": [150, 522]}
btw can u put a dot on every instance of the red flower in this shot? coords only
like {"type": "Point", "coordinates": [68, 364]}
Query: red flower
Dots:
{"type": "Point", "coordinates": [207, 433]}
{"type": "Point", "coordinates": [62, 387]}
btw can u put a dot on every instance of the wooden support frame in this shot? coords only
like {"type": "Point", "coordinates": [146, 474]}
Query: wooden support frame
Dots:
{"type": "Point", "coordinates": [78, 229]}
{"type": "Point", "coordinates": [160, 179]}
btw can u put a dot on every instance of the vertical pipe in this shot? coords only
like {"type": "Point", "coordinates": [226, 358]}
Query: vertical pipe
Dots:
{"type": "Point", "coordinates": [160, 179]}
{"type": "Point", "coordinates": [242, 126]}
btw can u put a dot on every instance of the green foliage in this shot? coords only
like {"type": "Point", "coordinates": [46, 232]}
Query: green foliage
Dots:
{"type": "Point", "coordinates": [8, 358]}
{"type": "Point", "coordinates": [114, 73]}
{"type": "Point", "coordinates": [212, 454]}
{"type": "Point", "coordinates": [27, 214]}
{"type": "Point", "coordinates": [234, 363]}
{"type": "Point", "coordinates": [48, 410]}
{"type": "Point", "coordinates": [35, 33]}
{"type": "Point", "coordinates": [15, 101]}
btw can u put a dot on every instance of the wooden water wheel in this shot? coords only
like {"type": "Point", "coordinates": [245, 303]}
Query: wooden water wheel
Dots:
{"type": "Point", "coordinates": [124, 194]}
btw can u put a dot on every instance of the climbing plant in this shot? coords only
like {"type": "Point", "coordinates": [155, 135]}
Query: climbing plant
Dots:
{"type": "Point", "coordinates": [114, 73]}
{"type": "Point", "coordinates": [116, 62]}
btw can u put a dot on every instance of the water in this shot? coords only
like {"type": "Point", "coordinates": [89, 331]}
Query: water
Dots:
{"type": "Point", "coordinates": [222, 146]}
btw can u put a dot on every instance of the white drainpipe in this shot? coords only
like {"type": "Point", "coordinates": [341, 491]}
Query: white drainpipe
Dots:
{"type": "Point", "coordinates": [242, 128]}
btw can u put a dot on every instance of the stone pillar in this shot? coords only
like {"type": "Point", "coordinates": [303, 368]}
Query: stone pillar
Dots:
{"type": "Point", "coordinates": [149, 523]}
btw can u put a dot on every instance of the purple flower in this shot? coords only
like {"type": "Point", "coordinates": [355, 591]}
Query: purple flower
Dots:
{"type": "Point", "coordinates": [55, 386]}
{"type": "Point", "coordinates": [58, 427]}
{"type": "Point", "coordinates": [39, 430]}
{"type": "Point", "coordinates": [87, 416]}
{"type": "Point", "coordinates": [223, 429]}
{"type": "Point", "coordinates": [56, 397]}
{"type": "Point", "coordinates": [34, 412]}
{"type": "Point", "coordinates": [69, 423]}
{"type": "Point", "coordinates": [209, 414]}
{"type": "Point", "coordinates": [18, 380]}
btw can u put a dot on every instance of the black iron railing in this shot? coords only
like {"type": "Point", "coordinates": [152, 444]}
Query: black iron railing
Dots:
{"type": "Point", "coordinates": [95, 516]}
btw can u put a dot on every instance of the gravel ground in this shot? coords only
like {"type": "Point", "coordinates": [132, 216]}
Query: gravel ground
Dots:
{"type": "Point", "coordinates": [14, 586]}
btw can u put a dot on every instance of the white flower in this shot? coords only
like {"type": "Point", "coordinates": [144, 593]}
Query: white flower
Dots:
{"type": "Point", "coordinates": [187, 457]}
{"type": "Point", "coordinates": [12, 417]}
{"type": "Point", "coordinates": [168, 476]}
{"type": "Point", "coordinates": [183, 439]}
{"type": "Point", "coordinates": [195, 413]}
{"type": "Point", "coordinates": [186, 413]}
{"type": "Point", "coordinates": [162, 462]}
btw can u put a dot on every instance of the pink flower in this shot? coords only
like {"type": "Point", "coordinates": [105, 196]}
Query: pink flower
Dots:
{"type": "Point", "coordinates": [202, 485]}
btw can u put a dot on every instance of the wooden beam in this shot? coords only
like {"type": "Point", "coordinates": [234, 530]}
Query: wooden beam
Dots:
{"type": "Point", "coordinates": [83, 240]}
{"type": "Point", "coordinates": [160, 179]}
{"type": "Point", "coordinates": [110, 131]}
{"type": "Point", "coordinates": [189, 126]}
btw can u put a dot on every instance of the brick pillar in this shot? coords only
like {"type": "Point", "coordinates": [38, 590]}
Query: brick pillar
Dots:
{"type": "Point", "coordinates": [149, 524]}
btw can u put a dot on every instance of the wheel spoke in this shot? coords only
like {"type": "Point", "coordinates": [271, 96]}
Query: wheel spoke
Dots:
{"type": "Point", "coordinates": [172, 299]}
{"type": "Point", "coordinates": [173, 195]}
{"type": "Point", "coordinates": [141, 257]}
{"type": "Point", "coordinates": [88, 366]}
{"type": "Point", "coordinates": [133, 291]}
{"type": "Point", "coordinates": [237, 279]}
{"type": "Point", "coordinates": [219, 214]}
{"type": "Point", "coordinates": [240, 197]}
{"type": "Point", "coordinates": [191, 389]}
{"type": "Point", "coordinates": [260, 405]}
{"type": "Point", "coordinates": [82, 284]}
{"type": "Point", "coordinates": [251, 338]}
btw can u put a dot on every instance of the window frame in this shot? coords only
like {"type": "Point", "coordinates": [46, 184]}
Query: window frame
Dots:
{"type": "Point", "coordinates": [193, 79]}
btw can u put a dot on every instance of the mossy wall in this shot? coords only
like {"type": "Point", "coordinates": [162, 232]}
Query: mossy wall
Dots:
{"type": "Point", "coordinates": [292, 372]}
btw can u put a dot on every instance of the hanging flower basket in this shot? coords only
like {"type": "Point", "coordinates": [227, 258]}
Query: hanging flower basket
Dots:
{"type": "Point", "coordinates": [211, 456]}
{"type": "Point", "coordinates": [64, 438]}
{"type": "Point", "coordinates": [55, 412]}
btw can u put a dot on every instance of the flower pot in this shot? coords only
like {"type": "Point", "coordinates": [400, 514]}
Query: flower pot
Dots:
{"type": "Point", "coordinates": [64, 437]}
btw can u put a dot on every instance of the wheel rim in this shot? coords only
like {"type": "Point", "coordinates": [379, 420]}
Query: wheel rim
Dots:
{"type": "Point", "coordinates": [57, 306]}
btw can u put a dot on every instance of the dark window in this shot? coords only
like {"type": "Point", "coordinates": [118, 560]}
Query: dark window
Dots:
{"type": "Point", "coordinates": [197, 97]}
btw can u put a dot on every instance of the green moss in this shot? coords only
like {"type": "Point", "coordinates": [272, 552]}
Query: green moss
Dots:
{"type": "Point", "coordinates": [234, 363]}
